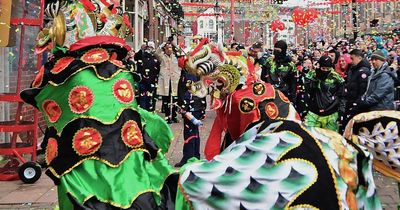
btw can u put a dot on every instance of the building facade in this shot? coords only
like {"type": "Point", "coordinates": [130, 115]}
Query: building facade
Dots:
{"type": "Point", "coordinates": [372, 17]}
{"type": "Point", "coordinates": [211, 26]}
{"type": "Point", "coordinates": [151, 20]}
{"type": "Point", "coordinates": [287, 34]}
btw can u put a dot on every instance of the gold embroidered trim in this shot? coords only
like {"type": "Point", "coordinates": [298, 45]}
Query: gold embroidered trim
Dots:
{"type": "Point", "coordinates": [185, 196]}
{"type": "Point", "coordinates": [96, 57]}
{"type": "Point", "coordinates": [53, 171]}
{"type": "Point", "coordinates": [295, 146]}
{"type": "Point", "coordinates": [307, 187]}
{"type": "Point", "coordinates": [283, 97]}
{"type": "Point", "coordinates": [113, 203]}
{"type": "Point", "coordinates": [94, 118]}
{"type": "Point", "coordinates": [95, 71]}
{"type": "Point", "coordinates": [117, 63]}
{"type": "Point", "coordinates": [302, 206]}
{"type": "Point", "coordinates": [291, 148]}
{"type": "Point", "coordinates": [88, 99]}
{"type": "Point", "coordinates": [271, 110]}
{"type": "Point", "coordinates": [329, 165]}
{"type": "Point", "coordinates": [127, 135]}
{"type": "Point", "coordinates": [93, 150]}
{"type": "Point", "coordinates": [68, 59]}
{"type": "Point", "coordinates": [49, 144]}
{"type": "Point", "coordinates": [258, 89]}
{"type": "Point", "coordinates": [134, 198]}
{"type": "Point", "coordinates": [125, 95]}
{"type": "Point", "coordinates": [38, 78]}
{"type": "Point", "coordinates": [345, 158]}
{"type": "Point", "coordinates": [247, 101]}
{"type": "Point", "coordinates": [47, 113]}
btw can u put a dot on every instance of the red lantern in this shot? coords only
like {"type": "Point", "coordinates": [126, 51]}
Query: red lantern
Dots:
{"type": "Point", "coordinates": [312, 14]}
{"type": "Point", "coordinates": [277, 25]}
{"type": "Point", "coordinates": [303, 17]}
{"type": "Point", "coordinates": [298, 17]}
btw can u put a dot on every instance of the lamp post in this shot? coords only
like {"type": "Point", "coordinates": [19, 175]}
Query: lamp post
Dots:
{"type": "Point", "coordinates": [217, 13]}
{"type": "Point", "coordinates": [344, 10]}
{"type": "Point", "coordinates": [355, 23]}
{"type": "Point", "coordinates": [222, 26]}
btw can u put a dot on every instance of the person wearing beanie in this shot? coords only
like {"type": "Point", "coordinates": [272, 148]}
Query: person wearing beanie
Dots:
{"type": "Point", "coordinates": [325, 89]}
{"type": "Point", "coordinates": [378, 55]}
{"type": "Point", "coordinates": [280, 71]}
{"type": "Point", "coordinates": [380, 87]}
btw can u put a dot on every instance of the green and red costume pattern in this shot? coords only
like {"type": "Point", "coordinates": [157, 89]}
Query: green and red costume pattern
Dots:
{"type": "Point", "coordinates": [103, 150]}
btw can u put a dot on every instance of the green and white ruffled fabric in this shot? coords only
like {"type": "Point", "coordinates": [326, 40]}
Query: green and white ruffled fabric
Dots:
{"type": "Point", "coordinates": [252, 173]}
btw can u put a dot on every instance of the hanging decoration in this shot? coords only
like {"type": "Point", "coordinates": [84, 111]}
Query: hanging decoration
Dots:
{"type": "Point", "coordinates": [303, 17]}
{"type": "Point", "coordinates": [277, 25]}
{"type": "Point", "coordinates": [348, 2]}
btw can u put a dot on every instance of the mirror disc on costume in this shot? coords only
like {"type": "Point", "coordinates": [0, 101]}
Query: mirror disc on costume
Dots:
{"type": "Point", "coordinates": [247, 105]}
{"type": "Point", "coordinates": [123, 91]}
{"type": "Point", "coordinates": [271, 110]}
{"type": "Point", "coordinates": [51, 150]}
{"type": "Point", "coordinates": [131, 134]}
{"type": "Point", "coordinates": [86, 141]}
{"type": "Point", "coordinates": [258, 89]}
{"type": "Point", "coordinates": [62, 64]}
{"type": "Point", "coordinates": [39, 78]}
{"type": "Point", "coordinates": [80, 99]}
{"type": "Point", "coordinates": [52, 110]}
{"type": "Point", "coordinates": [97, 55]}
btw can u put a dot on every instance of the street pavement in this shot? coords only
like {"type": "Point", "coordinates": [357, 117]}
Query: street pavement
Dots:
{"type": "Point", "coordinates": [43, 194]}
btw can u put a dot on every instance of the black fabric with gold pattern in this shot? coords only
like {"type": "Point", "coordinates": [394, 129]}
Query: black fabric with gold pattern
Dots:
{"type": "Point", "coordinates": [283, 108]}
{"type": "Point", "coordinates": [105, 69]}
{"type": "Point", "coordinates": [258, 89]}
{"type": "Point", "coordinates": [282, 112]}
{"type": "Point", "coordinates": [113, 150]}
{"type": "Point", "coordinates": [308, 150]}
{"type": "Point", "coordinates": [247, 105]}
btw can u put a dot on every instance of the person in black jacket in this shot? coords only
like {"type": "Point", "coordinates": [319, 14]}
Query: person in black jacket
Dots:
{"type": "Point", "coordinates": [325, 89]}
{"type": "Point", "coordinates": [281, 72]}
{"type": "Point", "coordinates": [196, 106]}
{"type": "Point", "coordinates": [356, 84]}
{"type": "Point", "coordinates": [302, 101]}
{"type": "Point", "coordinates": [148, 67]}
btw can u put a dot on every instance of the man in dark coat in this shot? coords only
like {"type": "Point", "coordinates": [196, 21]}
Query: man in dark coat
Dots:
{"type": "Point", "coordinates": [356, 84]}
{"type": "Point", "coordinates": [148, 67]}
{"type": "Point", "coordinates": [281, 72]}
{"type": "Point", "coordinates": [380, 88]}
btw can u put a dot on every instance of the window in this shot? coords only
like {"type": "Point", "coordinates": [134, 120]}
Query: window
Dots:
{"type": "Point", "coordinates": [201, 24]}
{"type": "Point", "coordinates": [211, 24]}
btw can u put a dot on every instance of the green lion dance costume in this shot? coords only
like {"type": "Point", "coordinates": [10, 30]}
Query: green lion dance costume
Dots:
{"type": "Point", "coordinates": [104, 152]}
